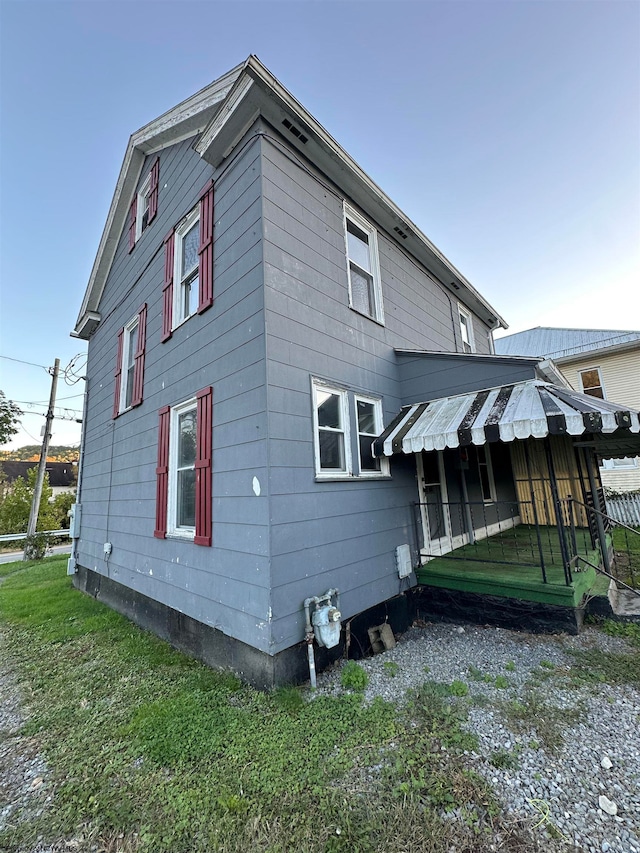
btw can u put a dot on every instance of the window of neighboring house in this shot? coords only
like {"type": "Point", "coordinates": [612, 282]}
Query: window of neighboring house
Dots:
{"type": "Point", "coordinates": [129, 374]}
{"type": "Point", "coordinates": [144, 206]}
{"type": "Point", "coordinates": [466, 330]}
{"type": "Point", "coordinates": [485, 471]}
{"type": "Point", "coordinates": [186, 280]}
{"type": "Point", "coordinates": [363, 266]}
{"type": "Point", "coordinates": [591, 381]}
{"type": "Point", "coordinates": [183, 472]}
{"type": "Point", "coordinates": [627, 463]}
{"type": "Point", "coordinates": [369, 422]}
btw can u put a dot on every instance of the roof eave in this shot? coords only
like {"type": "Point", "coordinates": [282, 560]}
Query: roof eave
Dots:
{"type": "Point", "coordinates": [274, 101]}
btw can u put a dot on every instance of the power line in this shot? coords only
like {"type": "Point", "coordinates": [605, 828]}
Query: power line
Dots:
{"type": "Point", "coordinates": [20, 361]}
{"type": "Point", "coordinates": [42, 402]}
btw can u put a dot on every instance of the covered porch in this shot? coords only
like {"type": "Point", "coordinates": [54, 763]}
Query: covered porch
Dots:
{"type": "Point", "coordinates": [510, 503]}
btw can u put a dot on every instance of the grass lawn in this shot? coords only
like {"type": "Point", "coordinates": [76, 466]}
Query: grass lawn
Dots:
{"type": "Point", "coordinates": [149, 750]}
{"type": "Point", "coordinates": [626, 545]}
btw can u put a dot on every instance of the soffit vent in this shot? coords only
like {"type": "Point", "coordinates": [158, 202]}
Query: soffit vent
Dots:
{"type": "Point", "coordinates": [295, 131]}
{"type": "Point", "coordinates": [403, 234]}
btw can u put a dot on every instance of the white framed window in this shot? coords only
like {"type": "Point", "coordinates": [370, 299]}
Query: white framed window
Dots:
{"type": "Point", "coordinates": [363, 266]}
{"type": "Point", "coordinates": [591, 382]}
{"type": "Point", "coordinates": [142, 208]}
{"type": "Point", "coordinates": [369, 427]}
{"type": "Point", "coordinates": [485, 472]}
{"type": "Point", "coordinates": [466, 330]}
{"type": "Point", "coordinates": [331, 431]}
{"type": "Point", "coordinates": [186, 282]}
{"type": "Point", "coordinates": [626, 463]}
{"type": "Point", "coordinates": [181, 515]}
{"type": "Point", "coordinates": [129, 347]}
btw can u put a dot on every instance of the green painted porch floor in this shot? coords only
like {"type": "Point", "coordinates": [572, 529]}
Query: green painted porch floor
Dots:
{"type": "Point", "coordinates": [506, 565]}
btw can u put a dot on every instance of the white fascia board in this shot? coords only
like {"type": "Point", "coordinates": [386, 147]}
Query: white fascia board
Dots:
{"type": "Point", "coordinates": [181, 122]}
{"type": "Point", "coordinates": [347, 169]}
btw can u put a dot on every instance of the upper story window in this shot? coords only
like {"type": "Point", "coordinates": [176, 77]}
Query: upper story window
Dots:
{"type": "Point", "coordinates": [129, 374]}
{"type": "Point", "coordinates": [144, 206]}
{"type": "Point", "coordinates": [591, 382]}
{"type": "Point", "coordinates": [363, 266]}
{"type": "Point", "coordinates": [466, 330]}
{"type": "Point", "coordinates": [182, 470]}
{"type": "Point", "coordinates": [186, 287]}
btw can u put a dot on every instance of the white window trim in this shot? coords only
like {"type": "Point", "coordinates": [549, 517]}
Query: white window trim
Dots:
{"type": "Point", "coordinates": [183, 228]}
{"type": "Point", "coordinates": [489, 465]}
{"type": "Point", "coordinates": [172, 503]}
{"type": "Point", "coordinates": [332, 473]}
{"type": "Point", "coordinates": [462, 312]}
{"type": "Point", "coordinates": [143, 193]}
{"type": "Point", "coordinates": [131, 326]}
{"type": "Point", "coordinates": [582, 370]}
{"type": "Point", "coordinates": [379, 426]}
{"type": "Point", "coordinates": [360, 222]}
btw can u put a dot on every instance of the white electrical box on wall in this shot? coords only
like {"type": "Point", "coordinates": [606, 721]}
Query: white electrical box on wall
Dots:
{"type": "Point", "coordinates": [403, 561]}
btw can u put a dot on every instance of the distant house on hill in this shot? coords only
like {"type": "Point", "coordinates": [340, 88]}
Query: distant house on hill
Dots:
{"type": "Point", "coordinates": [62, 475]}
{"type": "Point", "coordinates": [603, 363]}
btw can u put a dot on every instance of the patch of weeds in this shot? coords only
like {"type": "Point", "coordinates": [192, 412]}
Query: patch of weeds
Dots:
{"type": "Point", "coordinates": [458, 688]}
{"type": "Point", "coordinates": [534, 744]}
{"type": "Point", "coordinates": [531, 712]}
{"type": "Point", "coordinates": [475, 673]}
{"type": "Point", "coordinates": [546, 664]}
{"type": "Point", "coordinates": [480, 700]}
{"type": "Point", "coordinates": [594, 666]}
{"type": "Point", "coordinates": [501, 682]}
{"type": "Point", "coordinates": [503, 759]}
{"type": "Point", "coordinates": [426, 670]}
{"type": "Point", "coordinates": [627, 630]}
{"type": "Point", "coordinates": [288, 699]}
{"type": "Point", "coordinates": [353, 677]}
{"type": "Point", "coordinates": [510, 666]}
{"type": "Point", "coordinates": [391, 668]}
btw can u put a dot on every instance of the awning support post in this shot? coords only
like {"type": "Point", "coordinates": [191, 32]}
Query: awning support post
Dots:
{"type": "Point", "coordinates": [602, 536]}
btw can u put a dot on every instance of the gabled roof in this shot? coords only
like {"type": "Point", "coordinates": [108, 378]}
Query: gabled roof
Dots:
{"type": "Point", "coordinates": [222, 113]}
{"type": "Point", "coordinates": [547, 342]}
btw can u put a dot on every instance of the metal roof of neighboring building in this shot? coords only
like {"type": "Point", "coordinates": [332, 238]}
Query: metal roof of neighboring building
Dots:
{"type": "Point", "coordinates": [555, 343]}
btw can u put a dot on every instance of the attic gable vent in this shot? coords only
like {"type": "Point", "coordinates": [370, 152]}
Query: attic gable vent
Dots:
{"type": "Point", "coordinates": [401, 233]}
{"type": "Point", "coordinates": [294, 130]}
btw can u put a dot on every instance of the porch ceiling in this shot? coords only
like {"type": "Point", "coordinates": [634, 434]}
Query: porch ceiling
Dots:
{"type": "Point", "coordinates": [530, 409]}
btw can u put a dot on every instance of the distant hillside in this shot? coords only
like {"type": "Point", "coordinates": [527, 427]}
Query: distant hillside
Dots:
{"type": "Point", "coordinates": [31, 453]}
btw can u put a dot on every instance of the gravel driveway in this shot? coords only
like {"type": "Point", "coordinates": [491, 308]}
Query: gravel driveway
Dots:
{"type": "Point", "coordinates": [584, 795]}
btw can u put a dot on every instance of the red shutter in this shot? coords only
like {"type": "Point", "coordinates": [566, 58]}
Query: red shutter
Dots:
{"type": "Point", "coordinates": [205, 252]}
{"type": "Point", "coordinates": [204, 432]}
{"type": "Point", "coordinates": [118, 375]}
{"type": "Point", "coordinates": [132, 222]}
{"type": "Point", "coordinates": [138, 364]}
{"type": "Point", "coordinates": [162, 474]}
{"type": "Point", "coordinates": [153, 190]}
{"type": "Point", "coordinates": [167, 290]}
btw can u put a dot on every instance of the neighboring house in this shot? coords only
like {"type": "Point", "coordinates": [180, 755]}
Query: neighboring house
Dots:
{"type": "Point", "coordinates": [62, 475]}
{"type": "Point", "coordinates": [603, 363]}
{"type": "Point", "coordinates": [258, 312]}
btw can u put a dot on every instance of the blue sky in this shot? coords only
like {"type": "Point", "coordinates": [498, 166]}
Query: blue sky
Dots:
{"type": "Point", "coordinates": [509, 132]}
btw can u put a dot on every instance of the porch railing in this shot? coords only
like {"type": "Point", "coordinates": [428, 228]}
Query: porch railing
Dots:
{"type": "Point", "coordinates": [559, 540]}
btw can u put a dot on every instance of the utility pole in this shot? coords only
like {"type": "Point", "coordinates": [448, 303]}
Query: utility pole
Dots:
{"type": "Point", "coordinates": [42, 466]}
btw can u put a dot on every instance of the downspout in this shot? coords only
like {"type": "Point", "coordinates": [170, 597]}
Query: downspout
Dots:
{"type": "Point", "coordinates": [72, 564]}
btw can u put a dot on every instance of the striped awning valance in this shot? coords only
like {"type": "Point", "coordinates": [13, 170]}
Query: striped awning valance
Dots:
{"type": "Point", "coordinates": [531, 409]}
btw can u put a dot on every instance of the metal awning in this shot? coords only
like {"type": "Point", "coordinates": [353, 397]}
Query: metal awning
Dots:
{"type": "Point", "coordinates": [530, 409]}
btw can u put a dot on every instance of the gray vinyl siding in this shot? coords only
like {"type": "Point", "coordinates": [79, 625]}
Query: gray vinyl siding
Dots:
{"type": "Point", "coordinates": [334, 533]}
{"type": "Point", "coordinates": [428, 376]}
{"type": "Point", "coordinates": [227, 585]}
